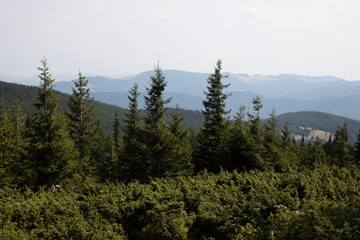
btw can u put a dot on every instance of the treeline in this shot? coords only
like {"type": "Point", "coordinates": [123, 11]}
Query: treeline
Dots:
{"type": "Point", "coordinates": [155, 179]}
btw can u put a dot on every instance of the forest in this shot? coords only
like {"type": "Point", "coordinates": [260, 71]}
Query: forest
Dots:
{"type": "Point", "coordinates": [62, 176]}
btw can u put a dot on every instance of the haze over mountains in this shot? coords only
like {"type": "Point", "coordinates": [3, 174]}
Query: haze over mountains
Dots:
{"type": "Point", "coordinates": [285, 93]}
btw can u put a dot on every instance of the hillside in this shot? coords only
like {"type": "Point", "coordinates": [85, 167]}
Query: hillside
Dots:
{"type": "Point", "coordinates": [300, 123]}
{"type": "Point", "coordinates": [305, 123]}
{"type": "Point", "coordinates": [11, 92]}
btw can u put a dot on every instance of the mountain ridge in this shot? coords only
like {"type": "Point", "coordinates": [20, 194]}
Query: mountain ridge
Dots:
{"type": "Point", "coordinates": [284, 92]}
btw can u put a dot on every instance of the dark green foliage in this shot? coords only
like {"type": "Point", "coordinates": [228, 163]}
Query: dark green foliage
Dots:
{"type": "Point", "coordinates": [12, 145]}
{"type": "Point", "coordinates": [131, 164]}
{"type": "Point", "coordinates": [341, 154]}
{"type": "Point", "coordinates": [138, 185]}
{"type": "Point", "coordinates": [155, 104]}
{"type": "Point", "coordinates": [357, 149]}
{"type": "Point", "coordinates": [180, 156]}
{"type": "Point", "coordinates": [299, 122]}
{"type": "Point", "coordinates": [116, 134]}
{"type": "Point", "coordinates": [50, 151]}
{"type": "Point", "coordinates": [83, 124]}
{"type": "Point", "coordinates": [166, 154]}
{"type": "Point", "coordinates": [322, 203]}
{"type": "Point", "coordinates": [210, 139]}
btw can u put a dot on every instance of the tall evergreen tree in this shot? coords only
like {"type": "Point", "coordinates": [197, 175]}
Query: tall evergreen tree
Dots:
{"type": "Point", "coordinates": [257, 134]}
{"type": "Point", "coordinates": [50, 149]}
{"type": "Point", "coordinates": [132, 164]}
{"type": "Point", "coordinates": [156, 132]}
{"type": "Point", "coordinates": [240, 152]}
{"type": "Point", "coordinates": [179, 162]}
{"type": "Point", "coordinates": [12, 146]}
{"type": "Point", "coordinates": [357, 149]}
{"type": "Point", "coordinates": [341, 146]}
{"type": "Point", "coordinates": [83, 121]}
{"type": "Point", "coordinates": [155, 104]}
{"type": "Point", "coordinates": [116, 132]}
{"type": "Point", "coordinates": [211, 135]}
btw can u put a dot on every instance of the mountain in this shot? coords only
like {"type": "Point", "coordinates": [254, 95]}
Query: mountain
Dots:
{"type": "Point", "coordinates": [300, 123]}
{"type": "Point", "coordinates": [284, 93]}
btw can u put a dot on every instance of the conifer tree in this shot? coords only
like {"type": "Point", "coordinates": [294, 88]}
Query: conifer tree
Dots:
{"type": "Point", "coordinates": [341, 146]}
{"type": "Point", "coordinates": [254, 120]}
{"type": "Point", "coordinates": [50, 150]}
{"type": "Point", "coordinates": [256, 134]}
{"type": "Point", "coordinates": [12, 146]}
{"type": "Point", "coordinates": [179, 162]}
{"type": "Point", "coordinates": [211, 136]}
{"type": "Point", "coordinates": [132, 163]}
{"type": "Point", "coordinates": [83, 122]}
{"type": "Point", "coordinates": [156, 132]}
{"type": "Point", "coordinates": [116, 134]}
{"type": "Point", "coordinates": [155, 104]}
{"type": "Point", "coordinates": [273, 153]}
{"type": "Point", "coordinates": [357, 149]}
{"type": "Point", "coordinates": [240, 153]}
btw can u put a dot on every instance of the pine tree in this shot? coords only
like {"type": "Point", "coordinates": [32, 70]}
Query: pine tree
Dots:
{"type": "Point", "coordinates": [179, 162]}
{"type": "Point", "coordinates": [273, 151]}
{"type": "Point", "coordinates": [83, 122]}
{"type": "Point", "coordinates": [341, 146]}
{"type": "Point", "coordinates": [256, 134]}
{"type": "Point", "coordinates": [12, 146]}
{"type": "Point", "coordinates": [132, 163]}
{"type": "Point", "coordinates": [50, 150]}
{"type": "Point", "coordinates": [157, 137]}
{"type": "Point", "coordinates": [254, 120]}
{"type": "Point", "coordinates": [155, 104]}
{"type": "Point", "coordinates": [116, 133]}
{"type": "Point", "coordinates": [211, 136]}
{"type": "Point", "coordinates": [357, 149]}
{"type": "Point", "coordinates": [240, 153]}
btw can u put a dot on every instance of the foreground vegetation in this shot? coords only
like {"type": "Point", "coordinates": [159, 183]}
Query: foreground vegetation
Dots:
{"type": "Point", "coordinates": [157, 180]}
{"type": "Point", "coordinates": [322, 203]}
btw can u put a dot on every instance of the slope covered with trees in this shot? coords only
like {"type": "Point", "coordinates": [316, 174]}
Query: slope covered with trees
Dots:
{"type": "Point", "coordinates": [62, 177]}
{"type": "Point", "coordinates": [299, 121]}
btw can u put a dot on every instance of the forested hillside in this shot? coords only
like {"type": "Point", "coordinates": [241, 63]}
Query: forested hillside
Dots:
{"type": "Point", "coordinates": [10, 93]}
{"type": "Point", "coordinates": [299, 122]}
{"type": "Point", "coordinates": [63, 177]}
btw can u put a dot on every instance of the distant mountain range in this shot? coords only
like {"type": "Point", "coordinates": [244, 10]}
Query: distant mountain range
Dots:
{"type": "Point", "coordinates": [284, 93]}
{"type": "Point", "coordinates": [308, 123]}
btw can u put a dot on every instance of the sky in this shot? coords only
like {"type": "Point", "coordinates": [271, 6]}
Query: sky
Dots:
{"type": "Point", "coordinates": [108, 37]}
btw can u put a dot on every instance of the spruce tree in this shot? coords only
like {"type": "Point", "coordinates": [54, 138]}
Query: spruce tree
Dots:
{"type": "Point", "coordinates": [12, 146]}
{"type": "Point", "coordinates": [240, 153]}
{"type": "Point", "coordinates": [155, 104]}
{"type": "Point", "coordinates": [156, 132]}
{"type": "Point", "coordinates": [341, 146]}
{"type": "Point", "coordinates": [211, 136]}
{"type": "Point", "coordinates": [256, 134]}
{"type": "Point", "coordinates": [357, 149]}
{"type": "Point", "coordinates": [132, 163]}
{"type": "Point", "coordinates": [116, 132]}
{"type": "Point", "coordinates": [50, 150]}
{"type": "Point", "coordinates": [83, 122]}
{"type": "Point", "coordinates": [179, 162]}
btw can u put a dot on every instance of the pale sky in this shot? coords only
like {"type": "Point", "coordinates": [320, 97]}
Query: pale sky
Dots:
{"type": "Point", "coordinates": [308, 37]}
